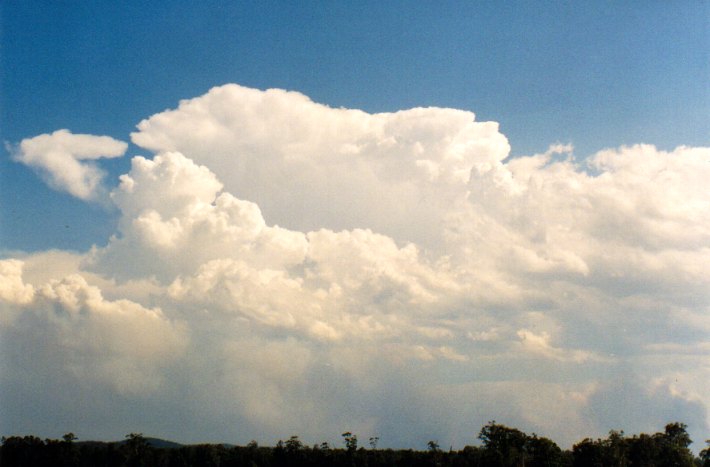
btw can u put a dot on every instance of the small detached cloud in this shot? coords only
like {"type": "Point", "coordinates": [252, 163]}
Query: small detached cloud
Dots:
{"type": "Point", "coordinates": [66, 160]}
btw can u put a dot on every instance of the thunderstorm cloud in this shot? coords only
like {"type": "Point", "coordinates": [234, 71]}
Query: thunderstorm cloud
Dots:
{"type": "Point", "coordinates": [394, 274]}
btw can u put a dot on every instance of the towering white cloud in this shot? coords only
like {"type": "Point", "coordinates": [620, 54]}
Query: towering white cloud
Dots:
{"type": "Point", "coordinates": [394, 274]}
{"type": "Point", "coordinates": [175, 219]}
{"type": "Point", "coordinates": [309, 166]}
{"type": "Point", "coordinates": [65, 160]}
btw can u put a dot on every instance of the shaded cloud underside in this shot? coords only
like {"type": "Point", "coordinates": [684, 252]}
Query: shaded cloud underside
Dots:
{"type": "Point", "coordinates": [392, 274]}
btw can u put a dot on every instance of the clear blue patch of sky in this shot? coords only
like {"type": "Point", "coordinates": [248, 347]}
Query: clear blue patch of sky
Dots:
{"type": "Point", "coordinates": [597, 74]}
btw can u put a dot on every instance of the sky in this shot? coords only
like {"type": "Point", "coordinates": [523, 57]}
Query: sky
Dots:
{"type": "Point", "coordinates": [226, 221]}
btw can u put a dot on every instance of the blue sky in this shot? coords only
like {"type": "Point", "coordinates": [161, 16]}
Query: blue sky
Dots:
{"type": "Point", "coordinates": [336, 255]}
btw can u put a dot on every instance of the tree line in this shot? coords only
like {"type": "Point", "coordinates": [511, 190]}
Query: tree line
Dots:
{"type": "Point", "coordinates": [500, 446]}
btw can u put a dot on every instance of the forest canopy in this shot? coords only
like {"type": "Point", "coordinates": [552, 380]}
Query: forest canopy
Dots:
{"type": "Point", "coordinates": [498, 446]}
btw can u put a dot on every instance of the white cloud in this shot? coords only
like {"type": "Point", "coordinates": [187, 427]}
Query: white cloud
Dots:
{"type": "Point", "coordinates": [175, 219]}
{"type": "Point", "coordinates": [12, 288]}
{"type": "Point", "coordinates": [540, 344]}
{"type": "Point", "coordinates": [65, 160]}
{"type": "Point", "coordinates": [376, 271]}
{"type": "Point", "coordinates": [309, 166]}
{"type": "Point", "coordinates": [68, 322]}
{"type": "Point", "coordinates": [218, 251]}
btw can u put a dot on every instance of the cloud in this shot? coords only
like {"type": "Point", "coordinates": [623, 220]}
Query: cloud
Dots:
{"type": "Point", "coordinates": [174, 219]}
{"type": "Point", "coordinates": [439, 179]}
{"type": "Point", "coordinates": [69, 324]}
{"type": "Point", "coordinates": [217, 251]}
{"type": "Point", "coordinates": [624, 401]}
{"type": "Point", "coordinates": [12, 288]}
{"type": "Point", "coordinates": [309, 166]}
{"type": "Point", "coordinates": [540, 344]}
{"type": "Point", "coordinates": [393, 274]}
{"type": "Point", "coordinates": [66, 160]}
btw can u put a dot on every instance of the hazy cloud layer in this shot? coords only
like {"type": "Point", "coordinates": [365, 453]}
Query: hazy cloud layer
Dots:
{"type": "Point", "coordinates": [68, 324]}
{"type": "Point", "coordinates": [396, 275]}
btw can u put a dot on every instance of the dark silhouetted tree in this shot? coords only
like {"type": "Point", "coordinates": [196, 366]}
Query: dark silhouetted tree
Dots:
{"type": "Point", "coordinates": [705, 454]}
{"type": "Point", "coordinates": [350, 441]}
{"type": "Point", "coordinates": [137, 450]}
{"type": "Point", "coordinates": [373, 442]}
{"type": "Point", "coordinates": [674, 443]}
{"type": "Point", "coordinates": [542, 452]}
{"type": "Point", "coordinates": [503, 446]}
{"type": "Point", "coordinates": [588, 453]}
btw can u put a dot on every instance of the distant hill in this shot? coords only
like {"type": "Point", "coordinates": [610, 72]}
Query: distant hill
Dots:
{"type": "Point", "coordinates": [163, 443]}
{"type": "Point", "coordinates": [153, 442]}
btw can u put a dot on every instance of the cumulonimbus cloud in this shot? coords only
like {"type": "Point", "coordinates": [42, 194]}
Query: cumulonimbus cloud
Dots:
{"type": "Point", "coordinates": [369, 270]}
